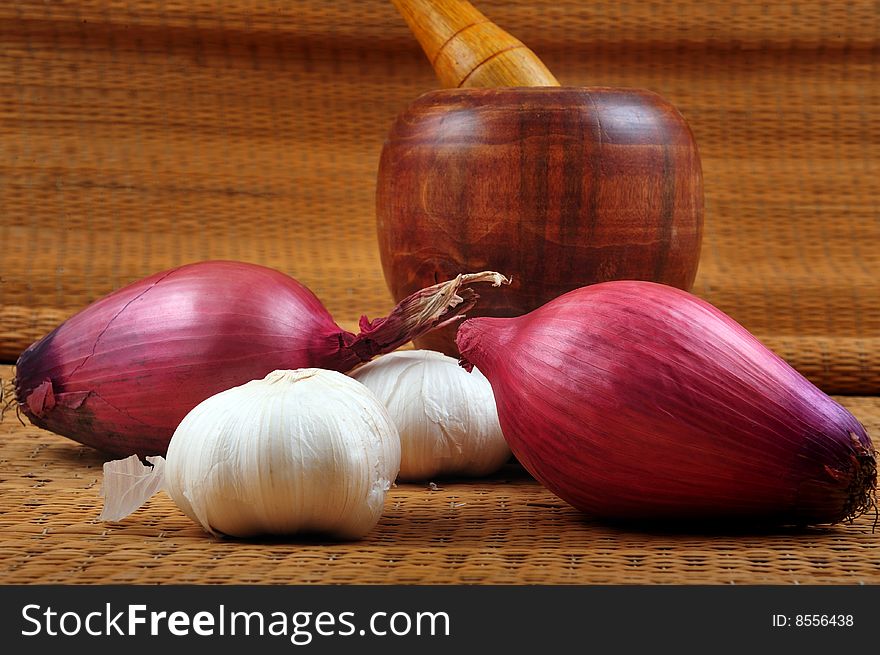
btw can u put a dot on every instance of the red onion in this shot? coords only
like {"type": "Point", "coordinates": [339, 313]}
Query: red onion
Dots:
{"type": "Point", "coordinates": [634, 400]}
{"type": "Point", "coordinates": [121, 374]}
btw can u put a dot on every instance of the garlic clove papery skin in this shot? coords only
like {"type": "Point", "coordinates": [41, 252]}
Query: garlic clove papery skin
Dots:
{"type": "Point", "coordinates": [446, 417]}
{"type": "Point", "coordinates": [307, 450]}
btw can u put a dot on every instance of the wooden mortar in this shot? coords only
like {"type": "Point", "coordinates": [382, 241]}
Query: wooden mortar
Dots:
{"type": "Point", "coordinates": [555, 187]}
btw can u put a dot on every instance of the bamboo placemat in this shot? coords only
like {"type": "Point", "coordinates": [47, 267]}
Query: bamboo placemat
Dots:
{"type": "Point", "coordinates": [139, 136]}
{"type": "Point", "coordinates": [503, 530]}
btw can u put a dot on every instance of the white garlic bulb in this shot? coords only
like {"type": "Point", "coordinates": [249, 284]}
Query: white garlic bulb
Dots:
{"type": "Point", "coordinates": [446, 417]}
{"type": "Point", "coordinates": [308, 450]}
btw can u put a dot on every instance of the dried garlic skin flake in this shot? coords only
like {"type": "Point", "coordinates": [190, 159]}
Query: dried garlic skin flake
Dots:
{"type": "Point", "coordinates": [128, 484]}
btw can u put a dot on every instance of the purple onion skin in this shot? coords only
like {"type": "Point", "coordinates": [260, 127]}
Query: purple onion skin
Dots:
{"type": "Point", "coordinates": [121, 374]}
{"type": "Point", "coordinates": [637, 401]}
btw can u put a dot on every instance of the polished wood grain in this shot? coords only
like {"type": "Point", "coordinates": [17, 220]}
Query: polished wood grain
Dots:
{"type": "Point", "coordinates": [466, 49]}
{"type": "Point", "coordinates": [556, 188]}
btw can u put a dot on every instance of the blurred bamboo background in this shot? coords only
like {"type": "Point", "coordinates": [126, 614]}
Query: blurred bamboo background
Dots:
{"type": "Point", "coordinates": [135, 136]}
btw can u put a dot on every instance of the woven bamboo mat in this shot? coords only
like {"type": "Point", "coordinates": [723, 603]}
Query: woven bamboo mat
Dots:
{"type": "Point", "coordinates": [503, 530]}
{"type": "Point", "coordinates": [138, 136]}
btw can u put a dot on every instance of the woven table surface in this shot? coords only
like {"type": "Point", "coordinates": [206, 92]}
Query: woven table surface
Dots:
{"type": "Point", "coordinates": [503, 530]}
{"type": "Point", "coordinates": [139, 136]}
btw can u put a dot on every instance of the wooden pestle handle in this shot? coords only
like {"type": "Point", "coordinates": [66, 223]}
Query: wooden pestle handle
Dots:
{"type": "Point", "coordinates": [466, 49]}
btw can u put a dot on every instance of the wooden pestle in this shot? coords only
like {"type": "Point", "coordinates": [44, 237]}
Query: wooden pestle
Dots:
{"type": "Point", "coordinates": [466, 49]}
